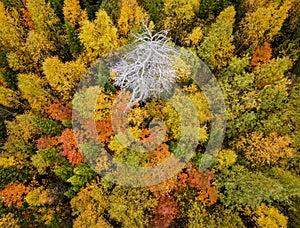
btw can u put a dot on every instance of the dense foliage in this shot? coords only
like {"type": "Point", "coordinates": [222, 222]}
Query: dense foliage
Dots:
{"type": "Point", "coordinates": [252, 48]}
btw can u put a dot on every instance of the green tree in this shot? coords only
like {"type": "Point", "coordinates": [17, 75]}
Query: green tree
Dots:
{"type": "Point", "coordinates": [74, 18]}
{"type": "Point", "coordinates": [48, 126]}
{"type": "Point", "coordinates": [8, 76]}
{"type": "Point", "coordinates": [213, 7]}
{"type": "Point", "coordinates": [242, 189]}
{"type": "Point", "coordinates": [155, 10]}
{"type": "Point", "coordinates": [57, 5]}
{"type": "Point", "coordinates": [112, 8]}
{"type": "Point", "coordinates": [91, 6]}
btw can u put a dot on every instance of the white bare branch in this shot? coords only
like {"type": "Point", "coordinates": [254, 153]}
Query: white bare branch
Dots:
{"type": "Point", "coordinates": [148, 68]}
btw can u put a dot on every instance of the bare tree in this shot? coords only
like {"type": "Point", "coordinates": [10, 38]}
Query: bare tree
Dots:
{"type": "Point", "coordinates": [147, 69]}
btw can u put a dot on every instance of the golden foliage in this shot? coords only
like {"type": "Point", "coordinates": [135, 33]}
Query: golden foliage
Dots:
{"type": "Point", "coordinates": [270, 217]}
{"type": "Point", "coordinates": [9, 221]}
{"type": "Point", "coordinates": [264, 23]}
{"type": "Point", "coordinates": [40, 197]}
{"type": "Point", "coordinates": [7, 162]}
{"type": "Point", "coordinates": [9, 98]}
{"type": "Point", "coordinates": [73, 12]}
{"type": "Point", "coordinates": [261, 150]}
{"type": "Point", "coordinates": [39, 47]}
{"type": "Point", "coordinates": [179, 14]}
{"type": "Point", "coordinates": [33, 88]}
{"type": "Point", "coordinates": [131, 15]}
{"type": "Point", "coordinates": [44, 18]}
{"type": "Point", "coordinates": [98, 37]}
{"type": "Point", "coordinates": [194, 38]}
{"type": "Point", "coordinates": [89, 206]}
{"type": "Point", "coordinates": [12, 32]}
{"type": "Point", "coordinates": [63, 77]}
{"type": "Point", "coordinates": [226, 158]}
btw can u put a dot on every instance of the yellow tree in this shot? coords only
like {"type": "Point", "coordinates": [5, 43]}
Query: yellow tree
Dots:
{"type": "Point", "coordinates": [179, 14]}
{"type": "Point", "coordinates": [89, 206]}
{"type": "Point", "coordinates": [99, 36]}
{"type": "Point", "coordinates": [44, 18]}
{"type": "Point", "coordinates": [268, 216]}
{"type": "Point", "coordinates": [12, 31]}
{"type": "Point", "coordinates": [264, 23]}
{"type": "Point", "coordinates": [130, 15]}
{"type": "Point", "coordinates": [260, 150]}
{"type": "Point", "coordinates": [73, 12]}
{"type": "Point", "coordinates": [9, 220]}
{"type": "Point", "coordinates": [217, 48]}
{"type": "Point", "coordinates": [38, 48]}
{"type": "Point", "coordinates": [8, 97]}
{"type": "Point", "coordinates": [26, 50]}
{"type": "Point", "coordinates": [33, 88]}
{"type": "Point", "coordinates": [21, 132]}
{"type": "Point", "coordinates": [131, 206]}
{"type": "Point", "coordinates": [13, 36]}
{"type": "Point", "coordinates": [48, 24]}
{"type": "Point", "coordinates": [63, 77]}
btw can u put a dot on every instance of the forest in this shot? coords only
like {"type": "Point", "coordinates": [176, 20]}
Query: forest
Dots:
{"type": "Point", "coordinates": [251, 48]}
